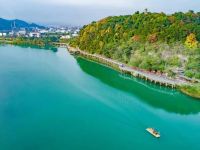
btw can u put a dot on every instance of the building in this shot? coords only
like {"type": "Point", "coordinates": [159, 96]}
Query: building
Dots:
{"type": "Point", "coordinates": [12, 33]}
{"type": "Point", "coordinates": [34, 34]}
{"type": "Point", "coordinates": [43, 31]}
{"type": "Point", "coordinates": [65, 37]}
{"type": "Point", "coordinates": [77, 31]}
{"type": "Point", "coordinates": [75, 35]}
{"type": "Point", "coordinates": [61, 31]}
{"type": "Point", "coordinates": [3, 34]}
{"type": "Point", "coordinates": [69, 31]}
{"type": "Point", "coordinates": [21, 33]}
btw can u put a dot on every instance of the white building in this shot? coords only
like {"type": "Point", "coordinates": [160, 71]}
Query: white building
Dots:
{"type": "Point", "coordinates": [77, 31]}
{"type": "Point", "coordinates": [3, 34]}
{"type": "Point", "coordinates": [69, 31]}
{"type": "Point", "coordinates": [21, 33]}
{"type": "Point", "coordinates": [75, 35]}
{"type": "Point", "coordinates": [65, 37]}
{"type": "Point", "coordinates": [34, 34]}
{"type": "Point", "coordinates": [61, 31]}
{"type": "Point", "coordinates": [43, 31]}
{"type": "Point", "coordinates": [12, 33]}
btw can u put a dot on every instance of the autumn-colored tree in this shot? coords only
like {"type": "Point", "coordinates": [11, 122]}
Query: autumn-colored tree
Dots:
{"type": "Point", "coordinates": [136, 38]}
{"type": "Point", "coordinates": [172, 19]}
{"type": "Point", "coordinates": [191, 41]}
{"type": "Point", "coordinates": [152, 38]}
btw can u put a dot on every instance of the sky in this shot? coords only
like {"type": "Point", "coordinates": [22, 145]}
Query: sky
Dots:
{"type": "Point", "coordinates": [80, 12]}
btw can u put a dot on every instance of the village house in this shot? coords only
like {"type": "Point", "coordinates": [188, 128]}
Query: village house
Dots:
{"type": "Point", "coordinates": [21, 33]}
{"type": "Point", "coordinates": [34, 34]}
{"type": "Point", "coordinates": [3, 34]}
{"type": "Point", "coordinates": [65, 37]}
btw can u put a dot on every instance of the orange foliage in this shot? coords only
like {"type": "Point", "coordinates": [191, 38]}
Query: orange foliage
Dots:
{"type": "Point", "coordinates": [152, 38]}
{"type": "Point", "coordinates": [136, 38]}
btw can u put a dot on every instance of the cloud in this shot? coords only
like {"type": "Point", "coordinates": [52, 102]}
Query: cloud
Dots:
{"type": "Point", "coordinates": [112, 3]}
{"type": "Point", "coordinates": [85, 11]}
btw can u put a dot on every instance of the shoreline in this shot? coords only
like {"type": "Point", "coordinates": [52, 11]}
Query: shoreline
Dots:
{"type": "Point", "coordinates": [24, 42]}
{"type": "Point", "coordinates": [156, 79]}
{"type": "Point", "coordinates": [159, 79]}
{"type": "Point", "coordinates": [189, 94]}
{"type": "Point", "coordinates": [153, 78]}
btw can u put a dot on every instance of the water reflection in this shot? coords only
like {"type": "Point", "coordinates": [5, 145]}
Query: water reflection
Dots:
{"type": "Point", "coordinates": [153, 95]}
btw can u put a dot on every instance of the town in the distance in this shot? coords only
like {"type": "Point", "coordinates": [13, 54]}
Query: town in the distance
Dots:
{"type": "Point", "coordinates": [18, 28]}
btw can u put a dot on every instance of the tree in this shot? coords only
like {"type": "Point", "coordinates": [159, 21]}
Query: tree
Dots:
{"type": "Point", "coordinates": [191, 41]}
{"type": "Point", "coordinates": [145, 10]}
{"type": "Point", "coordinates": [152, 38]}
{"type": "Point", "coordinates": [153, 41]}
{"type": "Point", "coordinates": [136, 38]}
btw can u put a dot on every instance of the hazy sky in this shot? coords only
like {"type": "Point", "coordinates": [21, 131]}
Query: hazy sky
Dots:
{"type": "Point", "coordinates": [79, 12]}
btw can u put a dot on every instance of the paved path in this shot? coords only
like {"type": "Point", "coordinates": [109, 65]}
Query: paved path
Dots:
{"type": "Point", "coordinates": [162, 79]}
{"type": "Point", "coordinates": [156, 78]}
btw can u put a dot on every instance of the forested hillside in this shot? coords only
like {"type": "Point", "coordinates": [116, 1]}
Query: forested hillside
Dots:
{"type": "Point", "coordinates": [150, 41]}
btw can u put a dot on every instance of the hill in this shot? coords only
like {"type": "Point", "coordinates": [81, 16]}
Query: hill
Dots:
{"type": "Point", "coordinates": [7, 25]}
{"type": "Point", "coordinates": [151, 41]}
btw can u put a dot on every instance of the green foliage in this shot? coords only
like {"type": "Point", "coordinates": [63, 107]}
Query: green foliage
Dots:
{"type": "Point", "coordinates": [174, 61]}
{"type": "Point", "coordinates": [193, 65]}
{"type": "Point", "coordinates": [152, 41]}
{"type": "Point", "coordinates": [34, 41]}
{"type": "Point", "coordinates": [192, 90]}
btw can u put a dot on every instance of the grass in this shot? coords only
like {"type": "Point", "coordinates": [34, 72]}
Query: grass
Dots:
{"type": "Point", "coordinates": [192, 90]}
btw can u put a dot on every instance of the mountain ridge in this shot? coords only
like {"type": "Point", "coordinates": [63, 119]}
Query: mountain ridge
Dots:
{"type": "Point", "coordinates": [8, 25]}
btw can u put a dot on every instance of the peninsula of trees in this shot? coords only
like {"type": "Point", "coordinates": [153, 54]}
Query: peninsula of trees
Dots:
{"type": "Point", "coordinates": [151, 41]}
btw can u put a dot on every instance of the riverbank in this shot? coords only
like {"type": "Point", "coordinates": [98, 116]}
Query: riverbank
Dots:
{"type": "Point", "coordinates": [182, 85]}
{"type": "Point", "coordinates": [193, 91]}
{"type": "Point", "coordinates": [41, 42]}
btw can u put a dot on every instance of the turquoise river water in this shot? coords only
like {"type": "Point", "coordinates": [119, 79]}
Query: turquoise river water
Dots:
{"type": "Point", "coordinates": [50, 100]}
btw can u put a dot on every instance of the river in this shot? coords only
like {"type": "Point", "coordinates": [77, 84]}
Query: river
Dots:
{"type": "Point", "coordinates": [50, 100]}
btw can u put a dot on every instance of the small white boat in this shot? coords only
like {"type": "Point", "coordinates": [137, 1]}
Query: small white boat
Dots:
{"type": "Point", "coordinates": [153, 132]}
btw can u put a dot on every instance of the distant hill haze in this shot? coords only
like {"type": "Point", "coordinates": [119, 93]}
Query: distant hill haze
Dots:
{"type": "Point", "coordinates": [8, 25]}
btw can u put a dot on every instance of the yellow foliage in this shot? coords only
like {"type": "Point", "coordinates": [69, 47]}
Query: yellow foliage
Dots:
{"type": "Point", "coordinates": [117, 27]}
{"type": "Point", "coordinates": [103, 21]}
{"type": "Point", "coordinates": [191, 41]}
{"type": "Point", "coordinates": [102, 32]}
{"type": "Point", "coordinates": [92, 29]}
{"type": "Point", "coordinates": [109, 30]}
{"type": "Point", "coordinates": [101, 44]}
